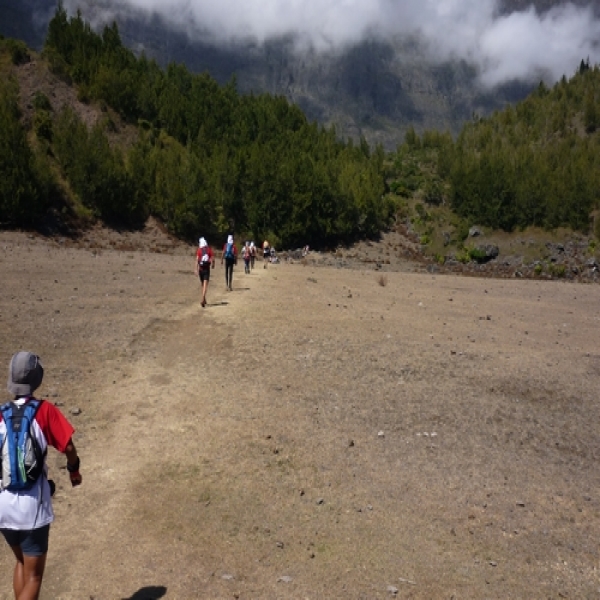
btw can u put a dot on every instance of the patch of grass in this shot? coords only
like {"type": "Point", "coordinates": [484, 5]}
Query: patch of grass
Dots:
{"type": "Point", "coordinates": [463, 256]}
{"type": "Point", "coordinates": [476, 254]}
{"type": "Point", "coordinates": [557, 270]}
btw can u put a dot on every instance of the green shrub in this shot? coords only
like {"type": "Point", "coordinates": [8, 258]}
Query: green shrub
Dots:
{"type": "Point", "coordinates": [42, 124]}
{"type": "Point", "coordinates": [19, 53]}
{"type": "Point", "coordinates": [476, 254]}
{"type": "Point", "coordinates": [462, 231]}
{"type": "Point", "coordinates": [433, 193]}
{"type": "Point", "coordinates": [83, 94]}
{"type": "Point", "coordinates": [557, 270]}
{"type": "Point", "coordinates": [538, 269]}
{"type": "Point", "coordinates": [41, 102]}
{"type": "Point", "coordinates": [58, 65]}
{"type": "Point", "coordinates": [463, 257]}
{"type": "Point", "coordinates": [420, 210]}
{"type": "Point", "coordinates": [400, 189]}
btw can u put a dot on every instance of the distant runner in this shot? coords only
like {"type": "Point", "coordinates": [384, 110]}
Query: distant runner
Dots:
{"type": "Point", "coordinates": [204, 261]}
{"type": "Point", "coordinates": [246, 254]}
{"type": "Point", "coordinates": [266, 253]}
{"type": "Point", "coordinates": [252, 254]}
{"type": "Point", "coordinates": [230, 256]}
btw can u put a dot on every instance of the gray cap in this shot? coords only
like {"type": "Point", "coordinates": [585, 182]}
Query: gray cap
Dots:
{"type": "Point", "coordinates": [25, 374]}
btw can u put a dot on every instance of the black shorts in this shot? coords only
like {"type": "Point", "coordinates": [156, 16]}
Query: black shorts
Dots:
{"type": "Point", "coordinates": [204, 274]}
{"type": "Point", "coordinates": [33, 542]}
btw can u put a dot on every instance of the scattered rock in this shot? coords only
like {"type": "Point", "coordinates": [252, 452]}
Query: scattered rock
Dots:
{"type": "Point", "coordinates": [489, 251]}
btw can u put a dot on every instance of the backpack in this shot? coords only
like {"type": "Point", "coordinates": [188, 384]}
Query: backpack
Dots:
{"type": "Point", "coordinates": [229, 255]}
{"type": "Point", "coordinates": [204, 261]}
{"type": "Point", "coordinates": [21, 458]}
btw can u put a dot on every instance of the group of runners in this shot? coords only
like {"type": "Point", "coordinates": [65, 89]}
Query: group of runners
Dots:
{"type": "Point", "coordinates": [205, 261]}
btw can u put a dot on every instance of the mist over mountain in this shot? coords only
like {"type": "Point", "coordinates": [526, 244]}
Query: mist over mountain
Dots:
{"type": "Point", "coordinates": [371, 67]}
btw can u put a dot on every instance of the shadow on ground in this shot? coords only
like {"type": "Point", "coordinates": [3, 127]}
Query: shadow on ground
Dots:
{"type": "Point", "coordinates": [152, 592]}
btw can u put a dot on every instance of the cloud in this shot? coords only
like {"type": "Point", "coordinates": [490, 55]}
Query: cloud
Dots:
{"type": "Point", "coordinates": [522, 45]}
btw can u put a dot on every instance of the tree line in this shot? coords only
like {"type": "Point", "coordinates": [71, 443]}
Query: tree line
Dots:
{"type": "Point", "coordinates": [206, 159]}
{"type": "Point", "coordinates": [533, 164]}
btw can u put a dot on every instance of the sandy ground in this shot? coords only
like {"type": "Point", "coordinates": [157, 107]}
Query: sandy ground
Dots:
{"type": "Point", "coordinates": [316, 433]}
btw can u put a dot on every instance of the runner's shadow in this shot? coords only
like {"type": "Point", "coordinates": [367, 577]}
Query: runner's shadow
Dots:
{"type": "Point", "coordinates": [221, 303]}
{"type": "Point", "coordinates": [240, 289]}
{"type": "Point", "coordinates": [152, 592]}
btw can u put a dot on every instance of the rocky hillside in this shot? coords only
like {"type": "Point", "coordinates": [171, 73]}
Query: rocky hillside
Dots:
{"type": "Point", "coordinates": [530, 254]}
{"type": "Point", "coordinates": [375, 89]}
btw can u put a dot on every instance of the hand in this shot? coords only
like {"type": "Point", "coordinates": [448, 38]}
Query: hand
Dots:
{"type": "Point", "coordinates": [75, 478]}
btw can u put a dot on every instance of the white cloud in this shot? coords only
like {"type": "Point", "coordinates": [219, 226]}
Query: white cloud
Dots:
{"type": "Point", "coordinates": [523, 44]}
{"type": "Point", "coordinates": [517, 46]}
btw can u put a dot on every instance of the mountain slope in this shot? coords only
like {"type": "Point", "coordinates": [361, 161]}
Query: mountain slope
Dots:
{"type": "Point", "coordinates": [376, 89]}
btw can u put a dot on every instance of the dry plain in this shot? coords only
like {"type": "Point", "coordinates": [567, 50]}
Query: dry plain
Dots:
{"type": "Point", "coordinates": [316, 433]}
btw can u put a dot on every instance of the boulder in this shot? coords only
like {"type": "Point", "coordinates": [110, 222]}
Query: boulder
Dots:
{"type": "Point", "coordinates": [487, 252]}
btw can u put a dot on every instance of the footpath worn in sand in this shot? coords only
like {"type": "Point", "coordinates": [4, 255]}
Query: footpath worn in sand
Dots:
{"type": "Point", "coordinates": [316, 433]}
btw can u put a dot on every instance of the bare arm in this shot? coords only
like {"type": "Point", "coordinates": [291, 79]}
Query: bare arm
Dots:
{"type": "Point", "coordinates": [73, 463]}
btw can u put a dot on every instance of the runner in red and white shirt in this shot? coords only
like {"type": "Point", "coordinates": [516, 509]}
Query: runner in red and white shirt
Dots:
{"type": "Point", "coordinates": [25, 515]}
{"type": "Point", "coordinates": [205, 260]}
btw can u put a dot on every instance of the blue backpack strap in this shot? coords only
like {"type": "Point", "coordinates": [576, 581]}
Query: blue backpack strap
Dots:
{"type": "Point", "coordinates": [29, 410]}
{"type": "Point", "coordinates": [7, 415]}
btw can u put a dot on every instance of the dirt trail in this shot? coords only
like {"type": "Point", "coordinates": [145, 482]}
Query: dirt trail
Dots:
{"type": "Point", "coordinates": [312, 434]}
